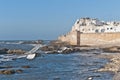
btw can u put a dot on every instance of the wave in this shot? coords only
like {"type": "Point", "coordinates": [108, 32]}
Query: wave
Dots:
{"type": "Point", "coordinates": [11, 42]}
{"type": "Point", "coordinates": [10, 57]}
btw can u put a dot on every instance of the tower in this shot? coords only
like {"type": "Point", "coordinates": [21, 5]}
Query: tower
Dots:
{"type": "Point", "coordinates": [78, 38]}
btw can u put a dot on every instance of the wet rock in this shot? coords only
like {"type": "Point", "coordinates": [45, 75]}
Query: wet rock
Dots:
{"type": "Point", "coordinates": [57, 43]}
{"type": "Point", "coordinates": [3, 51]}
{"type": "Point", "coordinates": [116, 76]}
{"type": "Point", "coordinates": [113, 65]}
{"type": "Point", "coordinates": [68, 51]}
{"type": "Point", "coordinates": [112, 49]}
{"type": "Point", "coordinates": [33, 42]}
{"type": "Point", "coordinates": [76, 50]}
{"type": "Point", "coordinates": [47, 48]}
{"type": "Point", "coordinates": [7, 72]}
{"type": "Point", "coordinates": [26, 66]}
{"type": "Point", "coordinates": [19, 71]}
{"type": "Point", "coordinates": [65, 48]}
{"type": "Point", "coordinates": [17, 51]}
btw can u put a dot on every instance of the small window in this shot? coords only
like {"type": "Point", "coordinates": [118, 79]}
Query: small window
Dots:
{"type": "Point", "coordinates": [88, 29]}
{"type": "Point", "coordinates": [111, 28]}
{"type": "Point", "coordinates": [107, 28]}
{"type": "Point", "coordinates": [82, 29]}
{"type": "Point", "coordinates": [77, 22]}
{"type": "Point", "coordinates": [102, 30]}
{"type": "Point", "coordinates": [96, 30]}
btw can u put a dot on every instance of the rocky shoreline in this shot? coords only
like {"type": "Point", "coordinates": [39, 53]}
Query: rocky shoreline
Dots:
{"type": "Point", "coordinates": [7, 70]}
{"type": "Point", "coordinates": [112, 53]}
{"type": "Point", "coordinates": [56, 47]}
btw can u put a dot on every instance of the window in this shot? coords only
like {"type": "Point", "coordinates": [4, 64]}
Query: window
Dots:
{"type": "Point", "coordinates": [77, 22]}
{"type": "Point", "coordinates": [82, 29]}
{"type": "Point", "coordinates": [96, 30]}
{"type": "Point", "coordinates": [111, 28]}
{"type": "Point", "coordinates": [107, 28]}
{"type": "Point", "coordinates": [102, 30]}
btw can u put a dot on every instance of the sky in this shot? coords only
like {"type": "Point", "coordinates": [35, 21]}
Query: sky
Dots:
{"type": "Point", "coordinates": [48, 19]}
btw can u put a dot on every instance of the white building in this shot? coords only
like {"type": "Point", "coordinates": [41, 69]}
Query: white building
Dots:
{"type": "Point", "coordinates": [88, 25]}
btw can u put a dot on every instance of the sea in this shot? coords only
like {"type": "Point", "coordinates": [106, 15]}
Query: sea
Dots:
{"type": "Point", "coordinates": [73, 66]}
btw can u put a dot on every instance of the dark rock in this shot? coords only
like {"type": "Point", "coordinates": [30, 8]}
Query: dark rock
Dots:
{"type": "Point", "coordinates": [26, 66]}
{"type": "Point", "coordinates": [67, 51]}
{"type": "Point", "coordinates": [47, 48]}
{"type": "Point", "coordinates": [19, 71]}
{"type": "Point", "coordinates": [7, 72]}
{"type": "Point", "coordinates": [17, 51]}
{"type": "Point", "coordinates": [33, 42]}
{"type": "Point", "coordinates": [3, 51]}
{"type": "Point", "coordinates": [115, 49]}
{"type": "Point", "coordinates": [57, 44]}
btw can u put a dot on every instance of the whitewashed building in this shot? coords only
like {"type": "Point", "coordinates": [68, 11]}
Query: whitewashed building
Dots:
{"type": "Point", "coordinates": [88, 25]}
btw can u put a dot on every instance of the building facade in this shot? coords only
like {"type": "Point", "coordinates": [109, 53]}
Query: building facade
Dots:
{"type": "Point", "coordinates": [93, 32]}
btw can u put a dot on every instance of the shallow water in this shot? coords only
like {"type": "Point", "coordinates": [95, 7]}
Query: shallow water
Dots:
{"type": "Point", "coordinates": [75, 66]}
{"type": "Point", "coordinates": [58, 67]}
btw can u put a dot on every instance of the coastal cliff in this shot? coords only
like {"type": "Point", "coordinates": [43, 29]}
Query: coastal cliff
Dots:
{"type": "Point", "coordinates": [93, 32]}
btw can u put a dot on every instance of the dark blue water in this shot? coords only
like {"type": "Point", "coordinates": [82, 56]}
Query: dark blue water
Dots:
{"type": "Point", "coordinates": [75, 66]}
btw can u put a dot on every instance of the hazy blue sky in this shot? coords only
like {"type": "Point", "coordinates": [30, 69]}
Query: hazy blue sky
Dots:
{"type": "Point", "coordinates": [47, 19]}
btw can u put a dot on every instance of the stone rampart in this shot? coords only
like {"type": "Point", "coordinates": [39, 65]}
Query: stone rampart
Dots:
{"type": "Point", "coordinates": [92, 38]}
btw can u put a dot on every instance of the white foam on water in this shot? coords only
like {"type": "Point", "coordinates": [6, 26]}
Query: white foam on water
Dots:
{"type": "Point", "coordinates": [9, 42]}
{"type": "Point", "coordinates": [10, 57]}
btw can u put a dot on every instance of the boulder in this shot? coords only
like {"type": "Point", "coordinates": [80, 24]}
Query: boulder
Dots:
{"type": "Point", "coordinates": [33, 42]}
{"type": "Point", "coordinates": [17, 51]}
{"type": "Point", "coordinates": [19, 71]}
{"type": "Point", "coordinates": [112, 49]}
{"type": "Point", "coordinates": [47, 48]}
{"type": "Point", "coordinates": [26, 66]}
{"type": "Point", "coordinates": [58, 44]}
{"type": "Point", "coordinates": [3, 51]}
{"type": "Point", "coordinates": [7, 72]}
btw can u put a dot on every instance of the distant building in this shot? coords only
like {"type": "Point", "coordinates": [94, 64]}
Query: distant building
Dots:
{"type": "Point", "coordinates": [93, 32]}
{"type": "Point", "coordinates": [88, 25]}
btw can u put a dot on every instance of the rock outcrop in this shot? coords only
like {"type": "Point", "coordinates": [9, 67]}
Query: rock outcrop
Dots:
{"type": "Point", "coordinates": [33, 42]}
{"type": "Point", "coordinates": [3, 51]}
{"type": "Point", "coordinates": [18, 51]}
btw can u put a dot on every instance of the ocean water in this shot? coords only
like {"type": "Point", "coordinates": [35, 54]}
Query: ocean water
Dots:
{"type": "Point", "coordinates": [75, 66]}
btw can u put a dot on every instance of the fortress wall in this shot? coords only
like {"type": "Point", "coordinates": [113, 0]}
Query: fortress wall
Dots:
{"type": "Point", "coordinates": [70, 38]}
{"type": "Point", "coordinates": [92, 38]}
